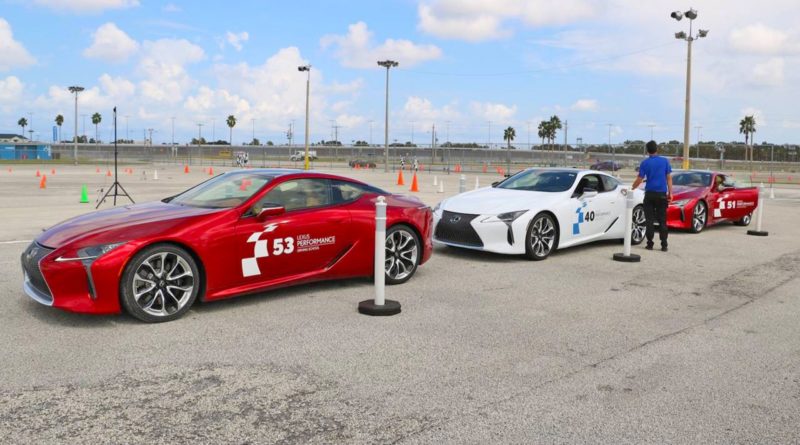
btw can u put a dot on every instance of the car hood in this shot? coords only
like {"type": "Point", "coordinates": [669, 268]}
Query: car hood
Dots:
{"type": "Point", "coordinates": [118, 219]}
{"type": "Point", "coordinates": [686, 192]}
{"type": "Point", "coordinates": [492, 201]}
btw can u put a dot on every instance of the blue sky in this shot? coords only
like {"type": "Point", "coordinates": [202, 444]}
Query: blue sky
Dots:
{"type": "Point", "coordinates": [463, 64]}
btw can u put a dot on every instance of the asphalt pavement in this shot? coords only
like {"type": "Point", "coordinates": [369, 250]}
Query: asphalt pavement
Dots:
{"type": "Point", "coordinates": [696, 345]}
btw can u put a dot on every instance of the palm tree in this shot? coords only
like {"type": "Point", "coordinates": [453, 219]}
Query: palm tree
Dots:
{"type": "Point", "coordinates": [96, 119]}
{"type": "Point", "coordinates": [59, 122]}
{"type": "Point", "coordinates": [508, 135]}
{"type": "Point", "coordinates": [231, 121]}
{"type": "Point", "coordinates": [22, 122]}
{"type": "Point", "coordinates": [747, 126]}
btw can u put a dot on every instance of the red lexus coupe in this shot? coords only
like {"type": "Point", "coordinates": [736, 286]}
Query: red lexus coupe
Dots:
{"type": "Point", "coordinates": [241, 232]}
{"type": "Point", "coordinates": [704, 198]}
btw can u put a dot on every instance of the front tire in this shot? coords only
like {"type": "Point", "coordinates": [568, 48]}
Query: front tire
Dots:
{"type": "Point", "coordinates": [403, 250]}
{"type": "Point", "coordinates": [160, 283]}
{"type": "Point", "coordinates": [699, 217]}
{"type": "Point", "coordinates": [542, 237]}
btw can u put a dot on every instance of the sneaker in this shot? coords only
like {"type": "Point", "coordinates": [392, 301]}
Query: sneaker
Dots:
{"type": "Point", "coordinates": [649, 246]}
{"type": "Point", "coordinates": [663, 248]}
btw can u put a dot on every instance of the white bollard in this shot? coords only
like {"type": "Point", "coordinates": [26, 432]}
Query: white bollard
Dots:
{"type": "Point", "coordinates": [477, 183]}
{"type": "Point", "coordinates": [759, 215]}
{"type": "Point", "coordinates": [155, 175]}
{"type": "Point", "coordinates": [462, 184]}
{"type": "Point", "coordinates": [380, 306]}
{"type": "Point", "coordinates": [441, 186]}
{"type": "Point", "coordinates": [626, 255]}
{"type": "Point", "coordinates": [435, 181]}
{"type": "Point", "coordinates": [771, 192]}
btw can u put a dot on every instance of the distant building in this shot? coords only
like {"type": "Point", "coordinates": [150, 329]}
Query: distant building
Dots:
{"type": "Point", "coordinates": [14, 146]}
{"type": "Point", "coordinates": [12, 138]}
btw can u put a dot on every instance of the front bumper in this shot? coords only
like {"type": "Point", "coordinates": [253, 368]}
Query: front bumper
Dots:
{"type": "Point", "coordinates": [467, 231]}
{"type": "Point", "coordinates": [680, 217]}
{"type": "Point", "coordinates": [72, 285]}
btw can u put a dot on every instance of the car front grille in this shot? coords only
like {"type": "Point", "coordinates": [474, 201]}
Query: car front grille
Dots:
{"type": "Point", "coordinates": [456, 228]}
{"type": "Point", "coordinates": [30, 265]}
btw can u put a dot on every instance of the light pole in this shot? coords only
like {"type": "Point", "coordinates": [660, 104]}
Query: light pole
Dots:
{"type": "Point", "coordinates": [613, 150]}
{"type": "Point", "coordinates": [370, 132]}
{"type": "Point", "coordinates": [307, 69]}
{"type": "Point", "coordinates": [254, 131]}
{"type": "Point", "coordinates": [75, 90]}
{"type": "Point", "coordinates": [386, 64]}
{"type": "Point", "coordinates": [126, 127]}
{"type": "Point", "coordinates": [691, 14]}
{"type": "Point", "coordinates": [489, 140]}
{"type": "Point", "coordinates": [173, 129]}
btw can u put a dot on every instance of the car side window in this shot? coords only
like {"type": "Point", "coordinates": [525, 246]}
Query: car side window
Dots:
{"type": "Point", "coordinates": [343, 191]}
{"type": "Point", "coordinates": [609, 184]}
{"type": "Point", "coordinates": [589, 181]}
{"type": "Point", "coordinates": [298, 194]}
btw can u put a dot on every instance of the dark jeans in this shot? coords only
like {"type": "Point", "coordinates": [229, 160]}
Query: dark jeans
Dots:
{"type": "Point", "coordinates": [655, 209]}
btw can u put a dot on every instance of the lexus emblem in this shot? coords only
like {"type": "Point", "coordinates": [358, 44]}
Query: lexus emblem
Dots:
{"type": "Point", "coordinates": [455, 219]}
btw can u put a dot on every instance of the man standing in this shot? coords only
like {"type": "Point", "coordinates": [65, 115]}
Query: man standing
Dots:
{"type": "Point", "coordinates": [655, 171]}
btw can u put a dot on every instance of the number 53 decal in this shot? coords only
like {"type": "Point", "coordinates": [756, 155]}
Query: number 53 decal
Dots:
{"type": "Point", "coordinates": [282, 246]}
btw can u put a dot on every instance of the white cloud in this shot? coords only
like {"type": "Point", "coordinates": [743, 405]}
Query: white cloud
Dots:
{"type": "Point", "coordinates": [350, 120]}
{"type": "Point", "coordinates": [761, 39]}
{"type": "Point", "coordinates": [163, 66]}
{"type": "Point", "coordinates": [12, 53]}
{"type": "Point", "coordinates": [86, 6]}
{"type": "Point", "coordinates": [171, 7]}
{"type": "Point", "coordinates": [207, 100]}
{"type": "Point", "coordinates": [422, 110]}
{"type": "Point", "coordinates": [111, 44]}
{"type": "Point", "coordinates": [236, 39]}
{"type": "Point", "coordinates": [493, 111]}
{"type": "Point", "coordinates": [10, 93]}
{"type": "Point", "coordinates": [117, 87]}
{"type": "Point", "coordinates": [356, 49]}
{"type": "Point", "coordinates": [769, 73]}
{"type": "Point", "coordinates": [584, 105]}
{"type": "Point", "coordinates": [479, 20]}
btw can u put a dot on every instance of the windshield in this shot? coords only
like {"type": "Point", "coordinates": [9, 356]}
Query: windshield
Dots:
{"type": "Point", "coordinates": [540, 181]}
{"type": "Point", "coordinates": [223, 192]}
{"type": "Point", "coordinates": [692, 179]}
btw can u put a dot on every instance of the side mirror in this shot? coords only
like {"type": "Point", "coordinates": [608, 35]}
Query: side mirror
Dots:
{"type": "Point", "coordinates": [496, 183]}
{"type": "Point", "coordinates": [588, 193]}
{"type": "Point", "coordinates": [268, 212]}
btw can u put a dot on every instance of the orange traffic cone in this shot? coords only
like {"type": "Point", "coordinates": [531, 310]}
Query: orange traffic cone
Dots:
{"type": "Point", "coordinates": [130, 171]}
{"type": "Point", "coordinates": [52, 171]}
{"type": "Point", "coordinates": [108, 173]}
{"type": "Point", "coordinates": [210, 171]}
{"type": "Point", "coordinates": [414, 184]}
{"type": "Point", "coordinates": [186, 169]}
{"type": "Point", "coordinates": [43, 182]}
{"type": "Point", "coordinates": [357, 167]}
{"type": "Point", "coordinates": [458, 168]}
{"type": "Point", "coordinates": [38, 175]}
{"type": "Point", "coordinates": [485, 169]}
{"type": "Point", "coordinates": [400, 178]}
{"type": "Point", "coordinates": [97, 170]}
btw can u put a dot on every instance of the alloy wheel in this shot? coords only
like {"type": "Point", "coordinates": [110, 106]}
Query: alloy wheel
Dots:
{"type": "Point", "coordinates": [543, 236]}
{"type": "Point", "coordinates": [163, 284]}
{"type": "Point", "coordinates": [402, 253]}
{"type": "Point", "coordinates": [638, 227]}
{"type": "Point", "coordinates": [699, 217]}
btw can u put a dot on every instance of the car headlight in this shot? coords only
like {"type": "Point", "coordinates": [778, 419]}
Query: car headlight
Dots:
{"type": "Point", "coordinates": [681, 202]}
{"type": "Point", "coordinates": [91, 253]}
{"type": "Point", "coordinates": [507, 217]}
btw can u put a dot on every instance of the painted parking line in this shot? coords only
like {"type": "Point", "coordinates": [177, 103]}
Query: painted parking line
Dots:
{"type": "Point", "coordinates": [15, 242]}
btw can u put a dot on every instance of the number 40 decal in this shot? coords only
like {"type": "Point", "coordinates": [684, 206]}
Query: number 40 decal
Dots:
{"type": "Point", "coordinates": [282, 245]}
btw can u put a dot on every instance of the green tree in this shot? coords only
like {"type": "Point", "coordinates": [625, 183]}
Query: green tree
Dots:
{"type": "Point", "coordinates": [747, 126]}
{"type": "Point", "coordinates": [59, 122]}
{"type": "Point", "coordinates": [543, 130]}
{"type": "Point", "coordinates": [508, 135]}
{"type": "Point", "coordinates": [96, 119]}
{"type": "Point", "coordinates": [22, 122]}
{"type": "Point", "coordinates": [553, 127]}
{"type": "Point", "coordinates": [231, 121]}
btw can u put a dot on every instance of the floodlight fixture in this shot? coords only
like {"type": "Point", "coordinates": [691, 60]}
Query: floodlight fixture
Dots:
{"type": "Point", "coordinates": [304, 68]}
{"type": "Point", "coordinates": [702, 33]}
{"type": "Point", "coordinates": [680, 35]}
{"type": "Point", "coordinates": [677, 15]}
{"type": "Point", "coordinates": [75, 90]}
{"type": "Point", "coordinates": [388, 63]}
{"type": "Point", "coordinates": [691, 14]}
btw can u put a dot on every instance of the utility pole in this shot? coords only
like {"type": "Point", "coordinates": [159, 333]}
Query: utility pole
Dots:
{"type": "Point", "coordinates": [612, 149]}
{"type": "Point", "coordinates": [433, 143]}
{"type": "Point", "coordinates": [387, 64]}
{"type": "Point", "coordinates": [75, 90]}
{"type": "Point", "coordinates": [489, 140]}
{"type": "Point", "coordinates": [566, 129]}
{"type": "Point", "coordinates": [127, 137]}
{"type": "Point", "coordinates": [307, 70]}
{"type": "Point", "coordinates": [370, 132]}
{"type": "Point", "coordinates": [254, 130]}
{"type": "Point", "coordinates": [173, 129]}
{"type": "Point", "coordinates": [412, 132]}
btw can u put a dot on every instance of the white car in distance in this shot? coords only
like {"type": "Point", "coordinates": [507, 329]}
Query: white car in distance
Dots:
{"type": "Point", "coordinates": [537, 211]}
